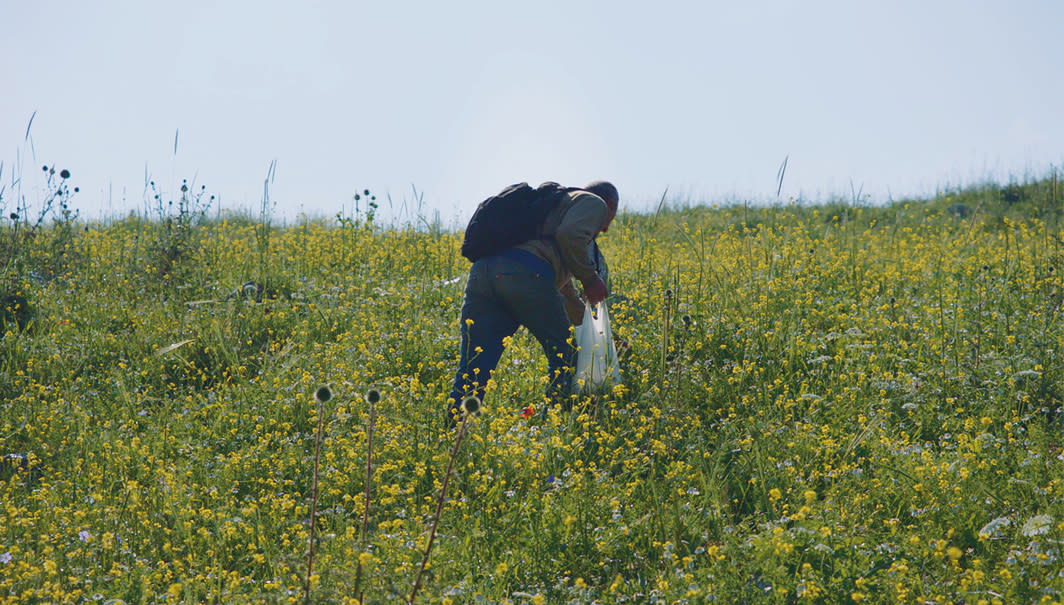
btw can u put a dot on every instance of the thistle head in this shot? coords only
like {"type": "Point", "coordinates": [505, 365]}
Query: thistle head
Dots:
{"type": "Point", "coordinates": [471, 405]}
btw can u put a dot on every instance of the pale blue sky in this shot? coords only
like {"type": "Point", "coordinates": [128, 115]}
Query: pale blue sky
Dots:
{"type": "Point", "coordinates": [459, 99]}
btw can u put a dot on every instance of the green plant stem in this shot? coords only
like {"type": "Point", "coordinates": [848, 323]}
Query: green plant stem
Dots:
{"type": "Point", "coordinates": [314, 502]}
{"type": "Point", "coordinates": [439, 507]}
{"type": "Point", "coordinates": [365, 509]}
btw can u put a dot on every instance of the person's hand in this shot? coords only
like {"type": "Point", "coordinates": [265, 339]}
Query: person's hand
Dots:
{"type": "Point", "coordinates": [595, 290]}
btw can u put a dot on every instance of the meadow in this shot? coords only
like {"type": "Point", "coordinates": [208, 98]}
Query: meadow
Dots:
{"type": "Point", "coordinates": [831, 403]}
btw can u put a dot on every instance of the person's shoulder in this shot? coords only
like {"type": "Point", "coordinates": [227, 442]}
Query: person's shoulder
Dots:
{"type": "Point", "coordinates": [579, 196]}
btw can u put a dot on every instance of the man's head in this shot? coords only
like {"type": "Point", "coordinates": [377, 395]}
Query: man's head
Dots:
{"type": "Point", "coordinates": [608, 193]}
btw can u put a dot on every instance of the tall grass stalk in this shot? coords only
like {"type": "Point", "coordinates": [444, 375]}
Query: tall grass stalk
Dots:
{"type": "Point", "coordinates": [322, 395]}
{"type": "Point", "coordinates": [264, 227]}
{"type": "Point", "coordinates": [665, 332]}
{"type": "Point", "coordinates": [372, 397]}
{"type": "Point", "coordinates": [469, 407]}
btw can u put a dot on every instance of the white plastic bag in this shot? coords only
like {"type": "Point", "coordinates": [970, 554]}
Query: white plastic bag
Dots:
{"type": "Point", "coordinates": [596, 361]}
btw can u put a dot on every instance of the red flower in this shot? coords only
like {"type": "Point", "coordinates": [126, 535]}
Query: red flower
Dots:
{"type": "Point", "coordinates": [527, 412]}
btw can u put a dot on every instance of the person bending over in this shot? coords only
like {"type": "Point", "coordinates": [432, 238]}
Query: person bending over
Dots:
{"type": "Point", "coordinates": [531, 285]}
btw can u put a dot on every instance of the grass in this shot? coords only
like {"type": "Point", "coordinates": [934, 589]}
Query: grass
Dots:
{"type": "Point", "coordinates": [826, 404]}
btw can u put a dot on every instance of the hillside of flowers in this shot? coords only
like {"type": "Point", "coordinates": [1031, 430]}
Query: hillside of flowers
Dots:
{"type": "Point", "coordinates": [832, 403]}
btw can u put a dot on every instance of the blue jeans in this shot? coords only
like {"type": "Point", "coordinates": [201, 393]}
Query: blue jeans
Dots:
{"type": "Point", "coordinates": [514, 288]}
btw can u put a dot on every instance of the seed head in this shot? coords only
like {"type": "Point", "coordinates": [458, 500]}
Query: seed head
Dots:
{"type": "Point", "coordinates": [471, 405]}
{"type": "Point", "coordinates": [64, 173]}
{"type": "Point", "coordinates": [323, 394]}
{"type": "Point", "coordinates": [373, 396]}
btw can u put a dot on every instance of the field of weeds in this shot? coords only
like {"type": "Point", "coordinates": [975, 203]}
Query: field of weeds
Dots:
{"type": "Point", "coordinates": [825, 404]}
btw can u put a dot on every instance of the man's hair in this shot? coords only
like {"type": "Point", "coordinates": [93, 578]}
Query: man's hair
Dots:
{"type": "Point", "coordinates": [606, 191]}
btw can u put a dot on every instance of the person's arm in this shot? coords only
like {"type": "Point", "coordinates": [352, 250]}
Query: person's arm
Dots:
{"type": "Point", "coordinates": [581, 223]}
